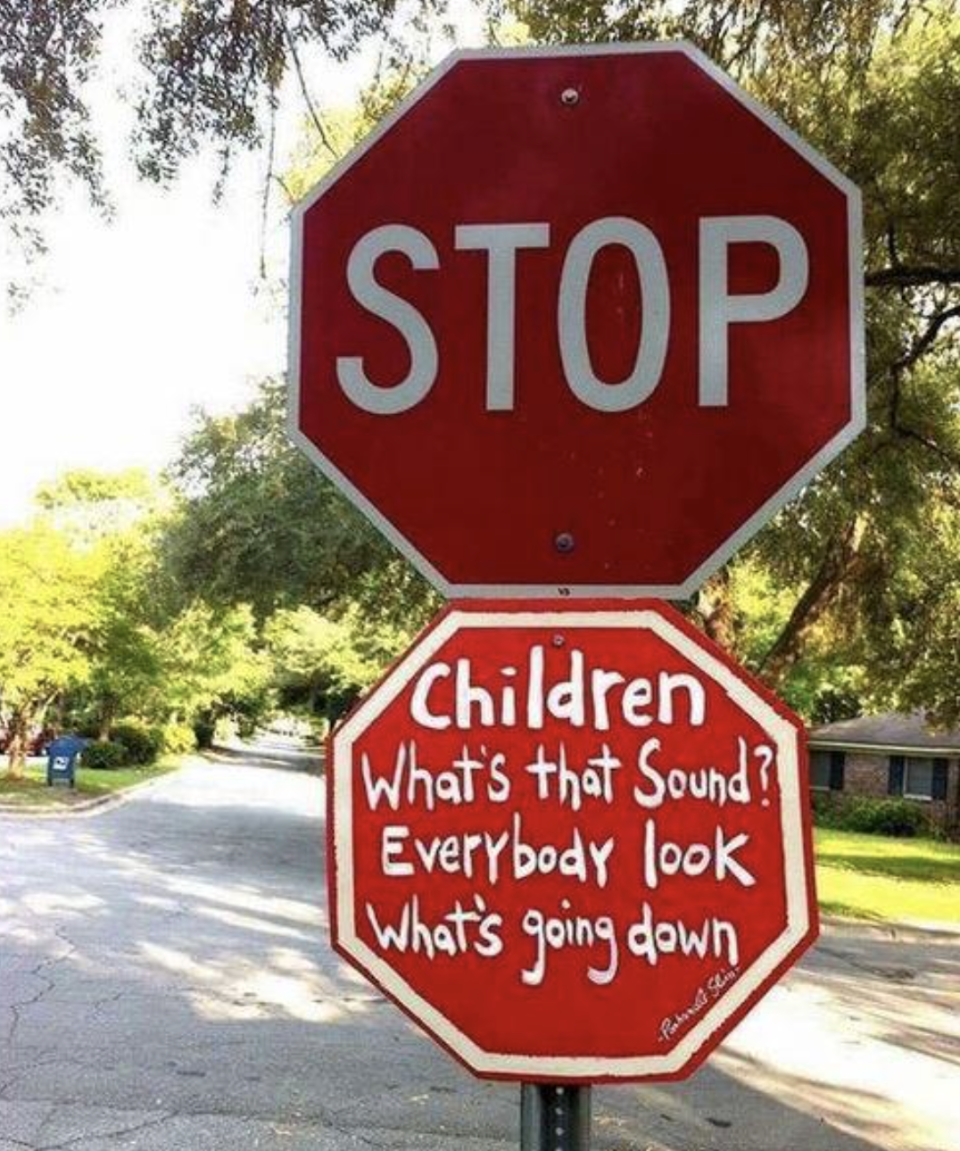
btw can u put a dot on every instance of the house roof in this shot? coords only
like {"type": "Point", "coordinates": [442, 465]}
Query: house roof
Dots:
{"type": "Point", "coordinates": [893, 731]}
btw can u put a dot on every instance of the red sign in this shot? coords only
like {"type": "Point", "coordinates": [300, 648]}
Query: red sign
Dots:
{"type": "Point", "coordinates": [571, 841]}
{"type": "Point", "coordinates": [576, 320]}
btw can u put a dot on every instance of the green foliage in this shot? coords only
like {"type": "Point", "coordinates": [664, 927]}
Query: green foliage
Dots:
{"type": "Point", "coordinates": [209, 74]}
{"type": "Point", "coordinates": [88, 622]}
{"type": "Point", "coordinates": [48, 615]}
{"type": "Point", "coordinates": [260, 525]}
{"type": "Point", "coordinates": [89, 488]}
{"type": "Point", "coordinates": [178, 739]}
{"type": "Point", "coordinates": [255, 582]}
{"type": "Point", "coordinates": [204, 731]}
{"type": "Point", "coordinates": [210, 663]}
{"type": "Point", "coordinates": [45, 608]}
{"type": "Point", "coordinates": [104, 755]}
{"type": "Point", "coordinates": [141, 742]}
{"type": "Point", "coordinates": [215, 71]}
{"type": "Point", "coordinates": [856, 585]}
{"type": "Point", "coordinates": [324, 664]}
{"type": "Point", "coordinates": [895, 817]}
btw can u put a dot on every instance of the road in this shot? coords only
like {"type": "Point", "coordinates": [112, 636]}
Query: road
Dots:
{"type": "Point", "coordinates": [166, 982]}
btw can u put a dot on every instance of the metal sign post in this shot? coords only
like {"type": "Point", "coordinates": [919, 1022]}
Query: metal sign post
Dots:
{"type": "Point", "coordinates": [554, 1117]}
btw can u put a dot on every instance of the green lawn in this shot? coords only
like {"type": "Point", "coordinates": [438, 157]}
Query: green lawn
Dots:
{"type": "Point", "coordinates": [874, 877]}
{"type": "Point", "coordinates": [33, 790]}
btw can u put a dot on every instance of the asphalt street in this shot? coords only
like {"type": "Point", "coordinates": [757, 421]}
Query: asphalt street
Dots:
{"type": "Point", "coordinates": [166, 982]}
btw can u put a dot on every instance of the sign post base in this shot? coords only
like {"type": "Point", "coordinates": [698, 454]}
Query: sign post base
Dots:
{"type": "Point", "coordinates": [554, 1117]}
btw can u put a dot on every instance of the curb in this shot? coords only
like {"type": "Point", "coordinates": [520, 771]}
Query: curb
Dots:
{"type": "Point", "coordinates": [894, 929]}
{"type": "Point", "coordinates": [97, 805]}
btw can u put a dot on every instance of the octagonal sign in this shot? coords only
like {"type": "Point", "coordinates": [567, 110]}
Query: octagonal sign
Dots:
{"type": "Point", "coordinates": [576, 321]}
{"type": "Point", "coordinates": [570, 840]}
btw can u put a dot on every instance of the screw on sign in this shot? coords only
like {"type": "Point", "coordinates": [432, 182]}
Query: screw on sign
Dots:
{"type": "Point", "coordinates": [571, 839]}
{"type": "Point", "coordinates": [601, 288]}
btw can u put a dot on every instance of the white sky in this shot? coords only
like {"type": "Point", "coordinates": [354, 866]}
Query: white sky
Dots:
{"type": "Point", "coordinates": [139, 320]}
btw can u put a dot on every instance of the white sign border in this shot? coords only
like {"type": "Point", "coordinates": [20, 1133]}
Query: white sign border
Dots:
{"type": "Point", "coordinates": [784, 737]}
{"type": "Point", "coordinates": [791, 488]}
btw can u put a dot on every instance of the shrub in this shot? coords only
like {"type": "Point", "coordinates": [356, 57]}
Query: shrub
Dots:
{"type": "Point", "coordinates": [143, 743]}
{"type": "Point", "coordinates": [246, 726]}
{"type": "Point", "coordinates": [178, 739]}
{"type": "Point", "coordinates": [895, 817]}
{"type": "Point", "coordinates": [103, 755]}
{"type": "Point", "coordinates": [203, 732]}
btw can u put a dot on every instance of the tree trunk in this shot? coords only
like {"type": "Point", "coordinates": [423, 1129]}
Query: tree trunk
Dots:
{"type": "Point", "coordinates": [18, 731]}
{"type": "Point", "coordinates": [840, 561]}
{"type": "Point", "coordinates": [715, 607]}
{"type": "Point", "coordinates": [108, 713]}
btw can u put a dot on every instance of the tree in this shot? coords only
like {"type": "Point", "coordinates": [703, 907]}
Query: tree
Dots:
{"type": "Point", "coordinates": [859, 541]}
{"type": "Point", "coordinates": [210, 663]}
{"type": "Point", "coordinates": [848, 567]}
{"type": "Point", "coordinates": [210, 74]}
{"type": "Point", "coordinates": [115, 519]}
{"type": "Point", "coordinates": [48, 614]}
{"type": "Point", "coordinates": [323, 664]}
{"type": "Point", "coordinates": [260, 525]}
{"type": "Point", "coordinates": [833, 601]}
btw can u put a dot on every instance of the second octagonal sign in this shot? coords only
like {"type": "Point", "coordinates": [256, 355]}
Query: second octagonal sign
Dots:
{"type": "Point", "coordinates": [576, 321]}
{"type": "Point", "coordinates": [570, 839]}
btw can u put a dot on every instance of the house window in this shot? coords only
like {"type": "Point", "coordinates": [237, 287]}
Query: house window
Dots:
{"type": "Point", "coordinates": [918, 778]}
{"type": "Point", "coordinates": [826, 770]}
{"type": "Point", "coordinates": [820, 770]}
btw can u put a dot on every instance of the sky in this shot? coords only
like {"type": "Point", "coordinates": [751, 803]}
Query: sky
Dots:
{"type": "Point", "coordinates": [138, 321]}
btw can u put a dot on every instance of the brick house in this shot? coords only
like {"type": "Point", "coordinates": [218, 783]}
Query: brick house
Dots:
{"type": "Point", "coordinates": [890, 755]}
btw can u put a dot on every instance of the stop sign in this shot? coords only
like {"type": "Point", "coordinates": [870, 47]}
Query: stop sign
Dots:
{"type": "Point", "coordinates": [570, 839]}
{"type": "Point", "coordinates": [576, 320]}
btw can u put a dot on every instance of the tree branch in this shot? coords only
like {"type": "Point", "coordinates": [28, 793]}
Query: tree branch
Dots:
{"type": "Point", "coordinates": [284, 186]}
{"type": "Point", "coordinates": [839, 560]}
{"type": "Point", "coordinates": [924, 342]}
{"type": "Point", "coordinates": [715, 609]}
{"type": "Point", "coordinates": [911, 276]}
{"type": "Point", "coordinates": [311, 107]}
{"type": "Point", "coordinates": [941, 453]}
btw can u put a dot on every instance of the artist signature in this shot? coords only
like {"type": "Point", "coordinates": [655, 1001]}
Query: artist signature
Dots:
{"type": "Point", "coordinates": [706, 993]}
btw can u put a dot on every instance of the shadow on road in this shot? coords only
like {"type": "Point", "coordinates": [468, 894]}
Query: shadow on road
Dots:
{"type": "Point", "coordinates": [286, 755]}
{"type": "Point", "coordinates": [173, 955]}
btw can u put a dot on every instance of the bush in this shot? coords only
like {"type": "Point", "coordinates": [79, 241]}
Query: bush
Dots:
{"type": "Point", "coordinates": [203, 732]}
{"type": "Point", "coordinates": [895, 817]}
{"type": "Point", "coordinates": [179, 739]}
{"type": "Point", "coordinates": [143, 743]}
{"type": "Point", "coordinates": [103, 755]}
{"type": "Point", "coordinates": [246, 726]}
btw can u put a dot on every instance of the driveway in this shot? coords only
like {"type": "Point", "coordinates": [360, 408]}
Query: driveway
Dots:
{"type": "Point", "coordinates": [166, 982]}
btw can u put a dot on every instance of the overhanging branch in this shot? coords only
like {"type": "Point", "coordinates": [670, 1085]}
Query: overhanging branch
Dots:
{"type": "Point", "coordinates": [925, 341]}
{"type": "Point", "coordinates": [911, 276]}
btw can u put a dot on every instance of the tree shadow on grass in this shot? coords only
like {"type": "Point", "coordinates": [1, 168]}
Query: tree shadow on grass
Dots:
{"type": "Point", "coordinates": [919, 868]}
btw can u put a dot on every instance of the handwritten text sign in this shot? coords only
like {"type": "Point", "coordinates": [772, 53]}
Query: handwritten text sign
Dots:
{"type": "Point", "coordinates": [571, 841]}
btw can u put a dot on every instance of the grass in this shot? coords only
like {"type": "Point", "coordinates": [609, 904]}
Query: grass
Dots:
{"type": "Point", "coordinates": [32, 790]}
{"type": "Point", "coordinates": [875, 877]}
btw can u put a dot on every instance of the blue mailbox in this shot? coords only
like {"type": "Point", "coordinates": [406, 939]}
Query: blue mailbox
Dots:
{"type": "Point", "coordinates": [62, 756]}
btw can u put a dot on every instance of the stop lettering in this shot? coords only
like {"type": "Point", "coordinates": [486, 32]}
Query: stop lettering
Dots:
{"type": "Point", "coordinates": [719, 307]}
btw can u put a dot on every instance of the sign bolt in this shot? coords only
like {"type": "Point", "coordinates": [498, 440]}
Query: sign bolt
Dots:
{"type": "Point", "coordinates": [564, 542]}
{"type": "Point", "coordinates": [569, 97]}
